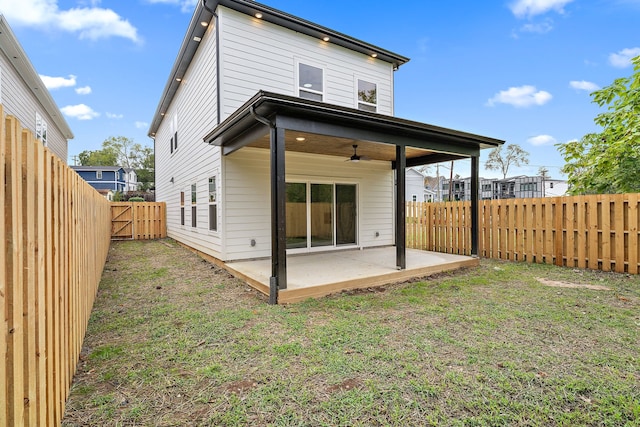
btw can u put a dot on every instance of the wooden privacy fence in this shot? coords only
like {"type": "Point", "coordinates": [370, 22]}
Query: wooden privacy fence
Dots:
{"type": "Point", "coordinates": [138, 220]}
{"type": "Point", "coordinates": [598, 232]}
{"type": "Point", "coordinates": [53, 247]}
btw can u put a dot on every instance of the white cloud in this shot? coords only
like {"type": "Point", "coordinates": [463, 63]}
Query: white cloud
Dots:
{"type": "Point", "coordinates": [530, 8]}
{"type": "Point", "coordinates": [142, 125]}
{"type": "Point", "coordinates": [85, 90]}
{"type": "Point", "coordinates": [542, 140]}
{"type": "Point", "coordinates": [114, 116]}
{"type": "Point", "coordinates": [583, 85]}
{"type": "Point", "coordinates": [80, 112]}
{"type": "Point", "coordinates": [58, 82]}
{"type": "Point", "coordinates": [523, 96]}
{"type": "Point", "coordinates": [185, 5]}
{"type": "Point", "coordinates": [623, 58]}
{"type": "Point", "coordinates": [88, 22]}
{"type": "Point", "coordinates": [541, 28]}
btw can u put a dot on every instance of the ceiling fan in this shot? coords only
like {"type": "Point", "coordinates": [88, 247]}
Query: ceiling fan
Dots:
{"type": "Point", "coordinates": [356, 157]}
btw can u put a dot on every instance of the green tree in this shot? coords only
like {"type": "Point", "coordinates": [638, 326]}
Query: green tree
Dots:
{"type": "Point", "coordinates": [609, 161]}
{"type": "Point", "coordinates": [122, 151]}
{"type": "Point", "coordinates": [104, 157]}
{"type": "Point", "coordinates": [513, 155]}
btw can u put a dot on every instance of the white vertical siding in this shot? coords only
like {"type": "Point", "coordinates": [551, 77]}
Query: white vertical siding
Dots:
{"type": "Point", "coordinates": [18, 100]}
{"type": "Point", "coordinates": [247, 197]}
{"type": "Point", "coordinates": [257, 55]}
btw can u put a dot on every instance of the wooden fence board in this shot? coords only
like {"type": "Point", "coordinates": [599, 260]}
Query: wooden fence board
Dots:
{"type": "Point", "coordinates": [46, 293]}
{"type": "Point", "coordinates": [598, 232]}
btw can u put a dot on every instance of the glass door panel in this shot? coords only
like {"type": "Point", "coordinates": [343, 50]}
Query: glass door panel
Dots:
{"type": "Point", "coordinates": [345, 214]}
{"type": "Point", "coordinates": [321, 215]}
{"type": "Point", "coordinates": [296, 211]}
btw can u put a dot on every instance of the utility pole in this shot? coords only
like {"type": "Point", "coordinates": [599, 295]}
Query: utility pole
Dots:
{"type": "Point", "coordinates": [75, 160]}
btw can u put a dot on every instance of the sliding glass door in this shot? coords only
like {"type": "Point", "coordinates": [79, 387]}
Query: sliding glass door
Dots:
{"type": "Point", "coordinates": [321, 215]}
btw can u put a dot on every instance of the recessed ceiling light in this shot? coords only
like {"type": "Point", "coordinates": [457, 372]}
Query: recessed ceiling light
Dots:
{"type": "Point", "coordinates": [325, 38]}
{"type": "Point", "coordinates": [258, 15]}
{"type": "Point", "coordinates": [204, 23]}
{"type": "Point", "coordinates": [300, 138]}
{"type": "Point", "coordinates": [374, 55]}
{"type": "Point", "coordinates": [308, 85]}
{"type": "Point", "coordinates": [178, 79]}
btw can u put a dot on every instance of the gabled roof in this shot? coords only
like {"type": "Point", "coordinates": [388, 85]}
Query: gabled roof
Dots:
{"type": "Point", "coordinates": [12, 49]}
{"type": "Point", "coordinates": [203, 13]}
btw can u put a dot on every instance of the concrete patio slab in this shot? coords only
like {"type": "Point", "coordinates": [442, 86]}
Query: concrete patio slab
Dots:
{"type": "Point", "coordinates": [319, 274]}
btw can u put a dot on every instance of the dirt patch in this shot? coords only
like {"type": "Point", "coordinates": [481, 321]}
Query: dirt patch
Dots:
{"type": "Point", "coordinates": [570, 285]}
{"type": "Point", "coordinates": [241, 386]}
{"type": "Point", "coordinates": [350, 384]}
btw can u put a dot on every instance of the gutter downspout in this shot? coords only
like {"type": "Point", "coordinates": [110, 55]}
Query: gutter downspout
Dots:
{"type": "Point", "coordinates": [217, 29]}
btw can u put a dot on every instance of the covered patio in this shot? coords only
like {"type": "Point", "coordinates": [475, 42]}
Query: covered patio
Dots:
{"type": "Point", "coordinates": [324, 273]}
{"type": "Point", "coordinates": [280, 123]}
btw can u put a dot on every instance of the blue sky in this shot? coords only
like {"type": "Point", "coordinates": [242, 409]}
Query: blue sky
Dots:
{"type": "Point", "coordinates": [518, 70]}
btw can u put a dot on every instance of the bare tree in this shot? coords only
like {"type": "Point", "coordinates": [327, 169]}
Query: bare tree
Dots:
{"type": "Point", "coordinates": [513, 155]}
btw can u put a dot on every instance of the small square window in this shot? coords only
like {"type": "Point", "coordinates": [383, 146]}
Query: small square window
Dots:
{"type": "Point", "coordinates": [98, 174]}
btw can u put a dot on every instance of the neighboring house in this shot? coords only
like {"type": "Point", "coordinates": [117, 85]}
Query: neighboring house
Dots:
{"type": "Point", "coordinates": [262, 132]}
{"type": "Point", "coordinates": [103, 177]}
{"type": "Point", "coordinates": [508, 188]}
{"type": "Point", "coordinates": [131, 180]}
{"type": "Point", "coordinates": [24, 95]}
{"type": "Point", "coordinates": [107, 194]}
{"type": "Point", "coordinates": [415, 187]}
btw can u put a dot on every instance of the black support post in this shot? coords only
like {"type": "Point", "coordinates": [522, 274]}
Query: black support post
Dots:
{"type": "Point", "coordinates": [278, 215]}
{"type": "Point", "coordinates": [475, 182]}
{"type": "Point", "coordinates": [401, 217]}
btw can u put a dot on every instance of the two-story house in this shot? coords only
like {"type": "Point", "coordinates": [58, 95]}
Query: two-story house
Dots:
{"type": "Point", "coordinates": [104, 177]}
{"type": "Point", "coordinates": [276, 136]}
{"type": "Point", "coordinates": [24, 95]}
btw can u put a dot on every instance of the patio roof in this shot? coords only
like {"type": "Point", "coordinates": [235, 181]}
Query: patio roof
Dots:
{"type": "Point", "coordinates": [339, 128]}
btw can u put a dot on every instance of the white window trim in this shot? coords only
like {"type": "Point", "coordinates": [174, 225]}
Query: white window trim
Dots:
{"type": "Point", "coordinates": [357, 98]}
{"type": "Point", "coordinates": [297, 88]}
{"type": "Point", "coordinates": [98, 174]}
{"type": "Point", "coordinates": [216, 175]}
{"type": "Point", "coordinates": [193, 204]}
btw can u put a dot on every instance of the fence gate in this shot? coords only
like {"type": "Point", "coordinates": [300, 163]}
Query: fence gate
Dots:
{"type": "Point", "coordinates": [121, 221]}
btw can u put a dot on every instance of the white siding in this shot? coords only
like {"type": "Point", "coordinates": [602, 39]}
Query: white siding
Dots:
{"type": "Point", "coordinates": [257, 55]}
{"type": "Point", "coordinates": [247, 197]}
{"type": "Point", "coordinates": [18, 100]}
{"type": "Point", "coordinates": [193, 161]}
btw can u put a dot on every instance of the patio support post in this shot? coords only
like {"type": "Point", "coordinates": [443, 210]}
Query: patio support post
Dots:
{"type": "Point", "coordinates": [475, 181]}
{"type": "Point", "coordinates": [401, 217]}
{"type": "Point", "coordinates": [278, 215]}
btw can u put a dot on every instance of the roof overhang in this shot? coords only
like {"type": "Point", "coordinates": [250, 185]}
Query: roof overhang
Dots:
{"type": "Point", "coordinates": [196, 31]}
{"type": "Point", "coordinates": [17, 56]}
{"type": "Point", "coordinates": [333, 130]}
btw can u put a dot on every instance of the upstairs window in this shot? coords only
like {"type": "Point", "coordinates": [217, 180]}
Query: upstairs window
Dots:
{"type": "Point", "coordinates": [367, 96]}
{"type": "Point", "coordinates": [98, 174]}
{"type": "Point", "coordinates": [173, 142]}
{"type": "Point", "coordinates": [310, 82]}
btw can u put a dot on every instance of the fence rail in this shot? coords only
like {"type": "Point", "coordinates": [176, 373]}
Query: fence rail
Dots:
{"type": "Point", "coordinates": [599, 232]}
{"type": "Point", "coordinates": [138, 220]}
{"type": "Point", "coordinates": [53, 247]}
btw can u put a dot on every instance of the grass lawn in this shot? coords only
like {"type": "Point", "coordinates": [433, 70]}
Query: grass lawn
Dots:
{"type": "Point", "coordinates": [175, 341]}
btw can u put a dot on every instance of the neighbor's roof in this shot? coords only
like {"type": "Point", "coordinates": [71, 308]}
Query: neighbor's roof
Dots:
{"type": "Point", "coordinates": [12, 49]}
{"type": "Point", "coordinates": [96, 168]}
{"type": "Point", "coordinates": [269, 14]}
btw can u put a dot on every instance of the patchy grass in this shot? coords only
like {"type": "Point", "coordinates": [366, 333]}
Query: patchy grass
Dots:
{"type": "Point", "coordinates": [175, 341]}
